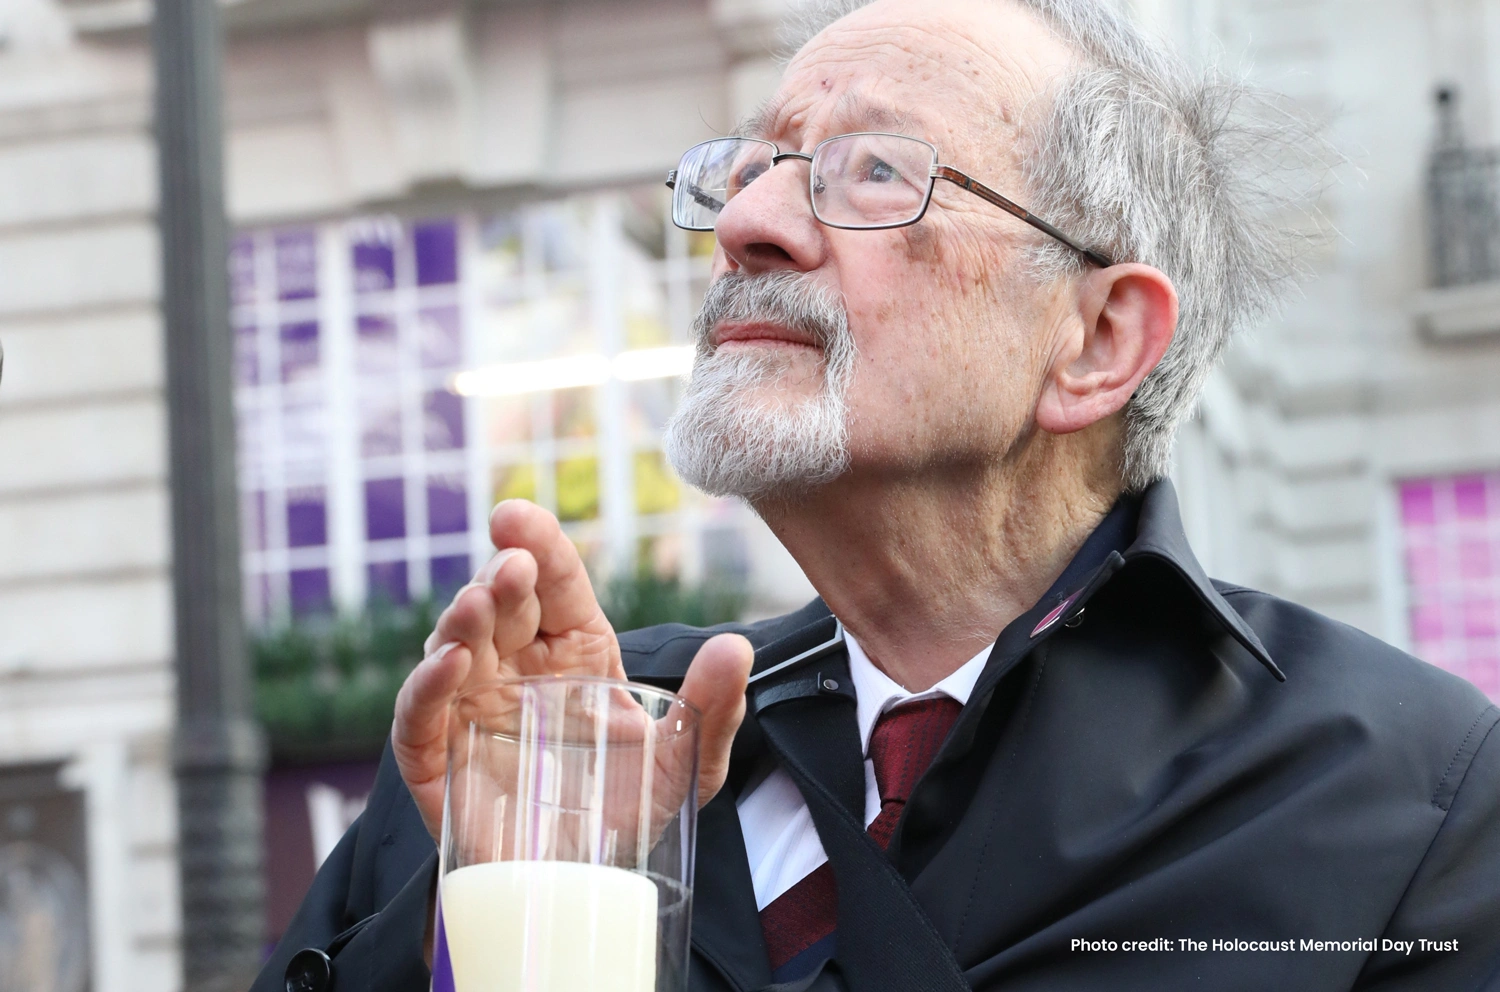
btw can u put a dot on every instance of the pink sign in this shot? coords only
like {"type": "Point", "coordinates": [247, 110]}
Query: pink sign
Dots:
{"type": "Point", "coordinates": [1451, 537]}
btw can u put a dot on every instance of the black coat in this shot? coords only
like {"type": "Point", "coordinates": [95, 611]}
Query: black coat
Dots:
{"type": "Point", "coordinates": [1135, 769]}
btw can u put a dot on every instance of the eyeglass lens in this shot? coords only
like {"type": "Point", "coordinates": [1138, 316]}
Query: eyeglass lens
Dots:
{"type": "Point", "coordinates": [858, 180]}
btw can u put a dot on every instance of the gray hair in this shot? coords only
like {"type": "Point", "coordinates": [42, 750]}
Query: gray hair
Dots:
{"type": "Point", "coordinates": [1140, 156]}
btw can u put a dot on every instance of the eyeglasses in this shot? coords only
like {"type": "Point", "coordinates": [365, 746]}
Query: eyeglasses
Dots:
{"type": "Point", "coordinates": [867, 181]}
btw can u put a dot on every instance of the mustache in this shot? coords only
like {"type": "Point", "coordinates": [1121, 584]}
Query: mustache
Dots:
{"type": "Point", "coordinates": [786, 299]}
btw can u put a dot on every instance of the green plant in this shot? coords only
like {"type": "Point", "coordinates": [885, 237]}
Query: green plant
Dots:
{"type": "Point", "coordinates": [327, 686]}
{"type": "Point", "coordinates": [646, 599]}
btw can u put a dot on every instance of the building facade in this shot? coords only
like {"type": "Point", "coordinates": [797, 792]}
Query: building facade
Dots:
{"type": "Point", "coordinates": [1345, 456]}
{"type": "Point", "coordinates": [454, 282]}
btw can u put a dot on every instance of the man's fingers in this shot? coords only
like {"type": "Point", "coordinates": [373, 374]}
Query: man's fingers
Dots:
{"type": "Point", "coordinates": [511, 578]}
{"type": "Point", "coordinates": [422, 703]}
{"type": "Point", "coordinates": [469, 619]}
{"type": "Point", "coordinates": [715, 683]}
{"type": "Point", "coordinates": [419, 733]}
{"type": "Point", "coordinates": [562, 584]}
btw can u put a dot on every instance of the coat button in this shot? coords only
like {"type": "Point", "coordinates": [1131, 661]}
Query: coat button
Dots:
{"type": "Point", "coordinates": [310, 970]}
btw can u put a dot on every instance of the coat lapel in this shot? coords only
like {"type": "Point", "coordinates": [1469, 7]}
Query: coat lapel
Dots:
{"type": "Point", "coordinates": [726, 924]}
{"type": "Point", "coordinates": [885, 940]}
{"type": "Point", "coordinates": [808, 720]}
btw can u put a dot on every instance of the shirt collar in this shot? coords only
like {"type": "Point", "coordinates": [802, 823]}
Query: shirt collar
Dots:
{"type": "Point", "coordinates": [875, 692]}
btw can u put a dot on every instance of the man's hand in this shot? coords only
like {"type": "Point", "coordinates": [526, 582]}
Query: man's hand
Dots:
{"type": "Point", "coordinates": [532, 611]}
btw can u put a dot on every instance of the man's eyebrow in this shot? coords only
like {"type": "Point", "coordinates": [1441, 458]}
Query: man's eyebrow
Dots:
{"type": "Point", "coordinates": [760, 121]}
{"type": "Point", "coordinates": [856, 111]}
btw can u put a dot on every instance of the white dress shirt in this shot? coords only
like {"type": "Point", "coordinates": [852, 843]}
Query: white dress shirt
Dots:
{"type": "Point", "coordinates": [780, 839]}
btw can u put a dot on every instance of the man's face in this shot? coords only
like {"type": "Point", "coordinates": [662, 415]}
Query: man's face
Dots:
{"type": "Point", "coordinates": [949, 337]}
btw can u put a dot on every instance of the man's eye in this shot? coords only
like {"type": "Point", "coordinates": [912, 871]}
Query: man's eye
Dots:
{"type": "Point", "coordinates": [745, 176]}
{"type": "Point", "coordinates": [881, 172]}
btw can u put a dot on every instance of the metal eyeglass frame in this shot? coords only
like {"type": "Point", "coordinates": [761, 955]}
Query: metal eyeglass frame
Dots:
{"type": "Point", "coordinates": [935, 172]}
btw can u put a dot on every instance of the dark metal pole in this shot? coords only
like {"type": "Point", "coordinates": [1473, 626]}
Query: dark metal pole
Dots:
{"type": "Point", "coordinates": [218, 753]}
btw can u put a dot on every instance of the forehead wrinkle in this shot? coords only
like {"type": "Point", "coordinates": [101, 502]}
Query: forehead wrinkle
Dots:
{"type": "Point", "coordinates": [853, 111]}
{"type": "Point", "coordinates": [987, 86]}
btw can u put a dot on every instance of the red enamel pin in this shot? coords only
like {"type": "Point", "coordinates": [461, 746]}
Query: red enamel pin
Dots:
{"type": "Point", "coordinates": [1053, 614]}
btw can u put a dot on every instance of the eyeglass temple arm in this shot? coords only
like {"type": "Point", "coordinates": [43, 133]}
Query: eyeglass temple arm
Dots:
{"type": "Point", "coordinates": [984, 192]}
{"type": "Point", "coordinates": [697, 193]}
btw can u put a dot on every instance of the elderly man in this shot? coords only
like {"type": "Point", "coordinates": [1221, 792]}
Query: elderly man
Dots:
{"type": "Point", "coordinates": [1021, 741]}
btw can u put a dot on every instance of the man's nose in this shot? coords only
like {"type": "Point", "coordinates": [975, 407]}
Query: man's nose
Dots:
{"type": "Point", "coordinates": [769, 225]}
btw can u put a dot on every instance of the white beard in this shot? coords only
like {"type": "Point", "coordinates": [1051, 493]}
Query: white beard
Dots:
{"type": "Point", "coordinates": [727, 437]}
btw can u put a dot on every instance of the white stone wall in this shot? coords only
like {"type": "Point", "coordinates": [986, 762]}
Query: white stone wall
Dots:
{"type": "Point", "coordinates": [492, 101]}
{"type": "Point", "coordinates": [85, 601]}
{"type": "Point", "coordinates": [1288, 475]}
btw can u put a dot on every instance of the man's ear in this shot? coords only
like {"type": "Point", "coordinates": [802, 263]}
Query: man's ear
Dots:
{"type": "Point", "coordinates": [1125, 320]}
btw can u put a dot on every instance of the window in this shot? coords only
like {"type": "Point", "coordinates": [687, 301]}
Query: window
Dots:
{"type": "Point", "coordinates": [1451, 537]}
{"type": "Point", "coordinates": [408, 344]}
{"type": "Point", "coordinates": [565, 289]}
{"type": "Point", "coordinates": [281, 405]}
{"type": "Point", "coordinates": [397, 377]}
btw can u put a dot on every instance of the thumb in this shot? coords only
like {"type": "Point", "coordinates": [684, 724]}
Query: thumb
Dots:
{"type": "Point", "coordinates": [715, 683]}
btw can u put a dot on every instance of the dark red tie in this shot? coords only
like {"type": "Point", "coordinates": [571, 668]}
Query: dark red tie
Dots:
{"type": "Point", "coordinates": [905, 741]}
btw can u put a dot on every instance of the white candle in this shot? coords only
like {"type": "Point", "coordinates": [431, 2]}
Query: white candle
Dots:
{"type": "Point", "coordinates": [550, 926]}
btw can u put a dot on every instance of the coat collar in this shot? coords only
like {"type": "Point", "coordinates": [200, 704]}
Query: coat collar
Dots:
{"type": "Point", "coordinates": [1139, 528]}
{"type": "Point", "coordinates": [726, 924]}
{"type": "Point", "coordinates": [1160, 536]}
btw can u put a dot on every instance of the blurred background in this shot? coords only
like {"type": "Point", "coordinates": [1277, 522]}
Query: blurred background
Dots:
{"type": "Point", "coordinates": [453, 281]}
